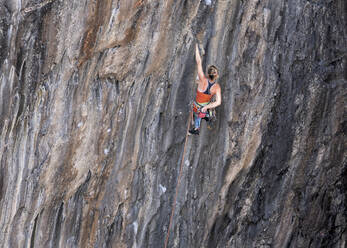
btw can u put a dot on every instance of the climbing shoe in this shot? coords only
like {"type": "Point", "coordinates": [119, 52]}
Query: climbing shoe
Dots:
{"type": "Point", "coordinates": [194, 131]}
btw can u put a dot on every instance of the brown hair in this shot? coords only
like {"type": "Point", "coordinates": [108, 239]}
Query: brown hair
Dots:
{"type": "Point", "coordinates": [212, 72]}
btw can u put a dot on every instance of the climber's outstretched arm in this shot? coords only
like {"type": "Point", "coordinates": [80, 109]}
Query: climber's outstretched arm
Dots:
{"type": "Point", "coordinates": [199, 64]}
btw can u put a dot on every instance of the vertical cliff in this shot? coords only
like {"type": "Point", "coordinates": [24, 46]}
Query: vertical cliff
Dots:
{"type": "Point", "coordinates": [94, 104]}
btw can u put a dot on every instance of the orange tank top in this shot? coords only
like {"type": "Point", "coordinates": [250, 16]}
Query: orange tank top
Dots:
{"type": "Point", "coordinates": [202, 98]}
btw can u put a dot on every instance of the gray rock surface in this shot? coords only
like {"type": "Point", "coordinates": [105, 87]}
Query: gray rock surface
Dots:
{"type": "Point", "coordinates": [94, 106]}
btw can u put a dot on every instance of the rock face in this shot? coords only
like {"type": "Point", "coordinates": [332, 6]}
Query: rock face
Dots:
{"type": "Point", "coordinates": [94, 107]}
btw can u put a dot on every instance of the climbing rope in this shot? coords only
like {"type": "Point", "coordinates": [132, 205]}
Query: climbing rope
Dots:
{"type": "Point", "coordinates": [178, 183]}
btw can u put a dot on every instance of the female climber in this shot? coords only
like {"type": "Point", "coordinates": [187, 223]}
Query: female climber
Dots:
{"type": "Point", "coordinates": [207, 87]}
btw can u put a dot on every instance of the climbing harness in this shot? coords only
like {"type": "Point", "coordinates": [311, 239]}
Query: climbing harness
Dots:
{"type": "Point", "coordinates": [197, 107]}
{"type": "Point", "coordinates": [209, 115]}
{"type": "Point", "coordinates": [178, 182]}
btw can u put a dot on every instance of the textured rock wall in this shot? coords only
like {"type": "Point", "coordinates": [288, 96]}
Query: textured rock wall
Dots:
{"type": "Point", "coordinates": [94, 104]}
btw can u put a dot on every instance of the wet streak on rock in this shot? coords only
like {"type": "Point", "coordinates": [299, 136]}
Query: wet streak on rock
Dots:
{"type": "Point", "coordinates": [57, 227]}
{"type": "Point", "coordinates": [32, 239]}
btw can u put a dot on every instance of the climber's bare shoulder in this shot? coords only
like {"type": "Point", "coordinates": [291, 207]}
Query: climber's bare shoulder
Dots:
{"type": "Point", "coordinates": [202, 83]}
{"type": "Point", "coordinates": [215, 89]}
